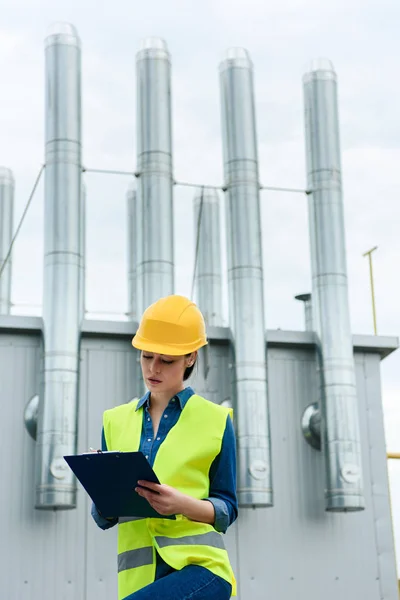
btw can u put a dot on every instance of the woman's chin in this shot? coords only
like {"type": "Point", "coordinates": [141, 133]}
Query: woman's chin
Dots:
{"type": "Point", "coordinates": [154, 385]}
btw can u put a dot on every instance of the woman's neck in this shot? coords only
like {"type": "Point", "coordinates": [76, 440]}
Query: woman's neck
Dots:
{"type": "Point", "coordinates": [160, 400]}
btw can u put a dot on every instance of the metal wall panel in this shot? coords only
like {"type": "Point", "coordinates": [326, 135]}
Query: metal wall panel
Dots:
{"type": "Point", "coordinates": [40, 556]}
{"type": "Point", "coordinates": [296, 549]}
{"type": "Point", "coordinates": [47, 555]}
{"type": "Point", "coordinates": [110, 368]}
{"type": "Point", "coordinates": [293, 550]}
{"type": "Point", "coordinates": [213, 373]}
{"type": "Point", "coordinates": [378, 473]}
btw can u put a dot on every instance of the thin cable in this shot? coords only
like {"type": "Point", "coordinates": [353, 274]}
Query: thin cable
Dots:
{"type": "Point", "coordinates": [109, 172]}
{"type": "Point", "coordinates": [280, 189]}
{"type": "Point", "coordinates": [197, 240]}
{"type": "Point", "coordinates": [105, 312]}
{"type": "Point", "coordinates": [3, 266]}
{"type": "Point", "coordinates": [226, 188]}
{"type": "Point", "coordinates": [198, 185]}
{"type": "Point", "coordinates": [26, 304]}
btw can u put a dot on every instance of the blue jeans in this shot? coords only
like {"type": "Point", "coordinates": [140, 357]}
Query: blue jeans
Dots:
{"type": "Point", "coordinates": [190, 583]}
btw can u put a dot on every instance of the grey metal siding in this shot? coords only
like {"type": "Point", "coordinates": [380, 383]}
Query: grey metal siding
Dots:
{"type": "Point", "coordinates": [217, 385]}
{"type": "Point", "coordinates": [380, 512]}
{"type": "Point", "coordinates": [293, 550]}
{"type": "Point", "coordinates": [110, 375]}
{"type": "Point", "coordinates": [296, 549]}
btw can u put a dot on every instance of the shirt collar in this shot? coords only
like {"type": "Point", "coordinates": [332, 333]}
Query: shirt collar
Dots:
{"type": "Point", "coordinates": [183, 397]}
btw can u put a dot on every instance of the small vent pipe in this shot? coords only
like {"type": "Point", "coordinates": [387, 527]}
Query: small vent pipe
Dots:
{"type": "Point", "coordinates": [339, 406]}
{"type": "Point", "coordinates": [208, 272]}
{"type": "Point", "coordinates": [132, 251]}
{"type": "Point", "coordinates": [155, 269]}
{"type": "Point", "coordinates": [82, 252]}
{"type": "Point", "coordinates": [245, 278]}
{"type": "Point", "coordinates": [6, 233]}
{"type": "Point", "coordinates": [308, 317]}
{"type": "Point", "coordinates": [63, 268]}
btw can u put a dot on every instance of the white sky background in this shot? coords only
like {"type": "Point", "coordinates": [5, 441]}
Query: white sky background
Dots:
{"type": "Point", "coordinates": [360, 37]}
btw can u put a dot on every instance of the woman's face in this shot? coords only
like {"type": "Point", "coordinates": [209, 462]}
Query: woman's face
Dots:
{"type": "Point", "coordinates": [162, 372]}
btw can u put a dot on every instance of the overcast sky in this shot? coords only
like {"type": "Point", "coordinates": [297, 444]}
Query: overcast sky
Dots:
{"type": "Point", "coordinates": [359, 36]}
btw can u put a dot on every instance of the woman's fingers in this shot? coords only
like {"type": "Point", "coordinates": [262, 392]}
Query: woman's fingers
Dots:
{"type": "Point", "coordinates": [155, 487]}
{"type": "Point", "coordinates": [164, 498]}
{"type": "Point", "coordinates": [155, 500]}
{"type": "Point", "coordinates": [150, 496]}
{"type": "Point", "coordinates": [145, 493]}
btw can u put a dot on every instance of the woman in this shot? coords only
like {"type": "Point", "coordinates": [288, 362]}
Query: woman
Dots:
{"type": "Point", "coordinates": [190, 443]}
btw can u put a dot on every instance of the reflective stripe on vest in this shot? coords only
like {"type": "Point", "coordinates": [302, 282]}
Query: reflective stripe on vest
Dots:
{"type": "Point", "coordinates": [135, 558]}
{"type": "Point", "coordinates": [129, 519]}
{"type": "Point", "coordinates": [179, 542]}
{"type": "Point", "coordinates": [212, 538]}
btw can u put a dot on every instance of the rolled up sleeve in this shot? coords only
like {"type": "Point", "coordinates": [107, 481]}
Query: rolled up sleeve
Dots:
{"type": "Point", "coordinates": [101, 521]}
{"type": "Point", "coordinates": [223, 481]}
{"type": "Point", "coordinates": [222, 517]}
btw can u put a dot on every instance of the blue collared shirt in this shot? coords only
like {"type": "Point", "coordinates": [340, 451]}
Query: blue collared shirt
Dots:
{"type": "Point", "coordinates": [222, 471]}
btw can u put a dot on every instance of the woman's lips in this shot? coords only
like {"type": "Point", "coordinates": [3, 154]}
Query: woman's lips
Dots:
{"type": "Point", "coordinates": [154, 381]}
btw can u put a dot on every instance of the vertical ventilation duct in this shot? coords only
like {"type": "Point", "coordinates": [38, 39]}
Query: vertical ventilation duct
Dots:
{"type": "Point", "coordinates": [245, 278]}
{"type": "Point", "coordinates": [82, 252]}
{"type": "Point", "coordinates": [6, 232]}
{"type": "Point", "coordinates": [308, 317]}
{"type": "Point", "coordinates": [63, 265]}
{"type": "Point", "coordinates": [341, 434]}
{"type": "Point", "coordinates": [208, 273]}
{"type": "Point", "coordinates": [132, 254]}
{"type": "Point", "coordinates": [155, 270]}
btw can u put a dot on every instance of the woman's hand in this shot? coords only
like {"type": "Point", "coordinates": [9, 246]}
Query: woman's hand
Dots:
{"type": "Point", "coordinates": [165, 499]}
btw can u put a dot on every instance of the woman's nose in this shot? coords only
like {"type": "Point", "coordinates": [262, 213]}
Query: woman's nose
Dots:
{"type": "Point", "coordinates": [155, 366]}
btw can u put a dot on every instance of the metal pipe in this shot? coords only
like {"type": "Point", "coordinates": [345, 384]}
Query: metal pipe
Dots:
{"type": "Point", "coordinates": [308, 318]}
{"type": "Point", "coordinates": [245, 278]}
{"type": "Point", "coordinates": [31, 416]}
{"type": "Point", "coordinates": [132, 251]}
{"type": "Point", "coordinates": [208, 272]}
{"type": "Point", "coordinates": [135, 252]}
{"type": "Point", "coordinates": [155, 270]}
{"type": "Point", "coordinates": [6, 233]}
{"type": "Point", "coordinates": [340, 420]}
{"type": "Point", "coordinates": [63, 264]}
{"type": "Point", "coordinates": [371, 279]}
{"type": "Point", "coordinates": [393, 455]}
{"type": "Point", "coordinates": [82, 291]}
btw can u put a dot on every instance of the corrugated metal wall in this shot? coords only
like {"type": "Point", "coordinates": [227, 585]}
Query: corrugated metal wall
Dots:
{"type": "Point", "coordinates": [294, 550]}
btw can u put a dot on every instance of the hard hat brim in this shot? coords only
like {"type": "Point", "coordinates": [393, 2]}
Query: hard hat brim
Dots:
{"type": "Point", "coordinates": [168, 349]}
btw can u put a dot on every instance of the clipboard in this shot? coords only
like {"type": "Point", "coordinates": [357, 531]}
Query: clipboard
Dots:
{"type": "Point", "coordinates": [110, 479]}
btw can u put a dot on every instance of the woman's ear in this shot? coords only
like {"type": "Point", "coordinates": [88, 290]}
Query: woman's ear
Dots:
{"type": "Point", "coordinates": [192, 359]}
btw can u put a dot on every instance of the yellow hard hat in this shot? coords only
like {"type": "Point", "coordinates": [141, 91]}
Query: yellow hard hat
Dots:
{"type": "Point", "coordinates": [173, 325]}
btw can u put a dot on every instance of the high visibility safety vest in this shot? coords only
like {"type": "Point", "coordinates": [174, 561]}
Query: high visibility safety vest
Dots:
{"type": "Point", "coordinates": [183, 461]}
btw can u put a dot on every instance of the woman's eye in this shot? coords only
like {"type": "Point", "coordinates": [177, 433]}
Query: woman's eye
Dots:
{"type": "Point", "coordinates": [147, 357]}
{"type": "Point", "coordinates": [167, 362]}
